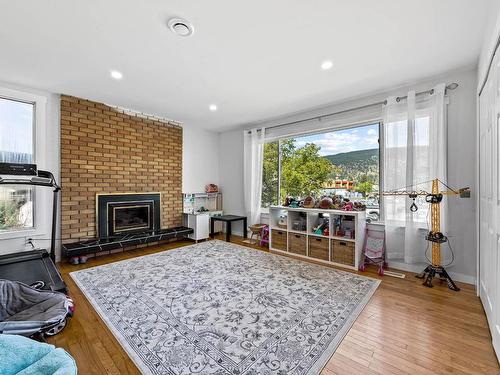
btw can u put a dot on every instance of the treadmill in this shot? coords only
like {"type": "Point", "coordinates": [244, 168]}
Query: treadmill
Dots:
{"type": "Point", "coordinates": [31, 267]}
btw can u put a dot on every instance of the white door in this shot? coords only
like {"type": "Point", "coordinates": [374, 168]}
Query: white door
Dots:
{"type": "Point", "coordinates": [495, 250]}
{"type": "Point", "coordinates": [489, 201]}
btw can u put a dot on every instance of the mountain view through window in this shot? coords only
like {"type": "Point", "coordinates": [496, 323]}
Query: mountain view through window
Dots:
{"type": "Point", "coordinates": [342, 162]}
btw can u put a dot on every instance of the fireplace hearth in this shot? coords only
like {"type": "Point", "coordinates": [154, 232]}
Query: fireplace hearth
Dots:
{"type": "Point", "coordinates": [119, 214]}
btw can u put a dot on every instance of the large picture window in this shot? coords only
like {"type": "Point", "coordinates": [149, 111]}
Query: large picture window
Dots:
{"type": "Point", "coordinates": [16, 146]}
{"type": "Point", "coordinates": [342, 162]}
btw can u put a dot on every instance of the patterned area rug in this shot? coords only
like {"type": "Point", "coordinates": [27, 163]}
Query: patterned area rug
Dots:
{"type": "Point", "coordinates": [220, 308]}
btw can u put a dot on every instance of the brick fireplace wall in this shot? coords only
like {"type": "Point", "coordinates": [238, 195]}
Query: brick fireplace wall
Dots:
{"type": "Point", "coordinates": [108, 150]}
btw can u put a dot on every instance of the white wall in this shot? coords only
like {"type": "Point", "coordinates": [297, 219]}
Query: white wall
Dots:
{"type": "Point", "coordinates": [231, 174]}
{"type": "Point", "coordinates": [200, 159]}
{"type": "Point", "coordinates": [491, 33]}
{"type": "Point", "coordinates": [462, 213]}
{"type": "Point", "coordinates": [200, 167]}
{"type": "Point", "coordinates": [461, 162]}
{"type": "Point", "coordinates": [47, 158]}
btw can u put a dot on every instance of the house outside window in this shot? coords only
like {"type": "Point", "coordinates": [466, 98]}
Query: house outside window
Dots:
{"type": "Point", "coordinates": [343, 162]}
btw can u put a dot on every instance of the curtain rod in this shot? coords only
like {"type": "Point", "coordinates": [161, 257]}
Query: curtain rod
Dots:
{"type": "Point", "coordinates": [451, 86]}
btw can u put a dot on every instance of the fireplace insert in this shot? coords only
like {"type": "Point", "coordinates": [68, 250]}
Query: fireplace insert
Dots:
{"type": "Point", "coordinates": [127, 213]}
{"type": "Point", "coordinates": [128, 217]}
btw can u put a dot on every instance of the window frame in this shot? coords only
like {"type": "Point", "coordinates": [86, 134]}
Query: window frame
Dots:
{"type": "Point", "coordinates": [39, 103]}
{"type": "Point", "coordinates": [360, 124]}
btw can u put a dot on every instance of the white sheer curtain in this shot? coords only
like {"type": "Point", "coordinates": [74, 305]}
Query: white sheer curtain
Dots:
{"type": "Point", "coordinates": [253, 154]}
{"type": "Point", "coordinates": [414, 154]}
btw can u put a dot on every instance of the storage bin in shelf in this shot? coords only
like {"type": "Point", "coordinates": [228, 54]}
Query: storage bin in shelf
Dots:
{"type": "Point", "coordinates": [279, 239]}
{"type": "Point", "coordinates": [319, 247]}
{"type": "Point", "coordinates": [343, 252]}
{"type": "Point", "coordinates": [297, 243]}
{"type": "Point", "coordinates": [306, 244]}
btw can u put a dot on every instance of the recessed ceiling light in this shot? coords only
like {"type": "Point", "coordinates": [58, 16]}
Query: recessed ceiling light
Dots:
{"type": "Point", "coordinates": [212, 107]}
{"type": "Point", "coordinates": [180, 27]}
{"type": "Point", "coordinates": [116, 74]}
{"type": "Point", "coordinates": [327, 64]}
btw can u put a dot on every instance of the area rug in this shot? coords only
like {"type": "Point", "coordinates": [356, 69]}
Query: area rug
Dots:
{"type": "Point", "coordinates": [219, 308]}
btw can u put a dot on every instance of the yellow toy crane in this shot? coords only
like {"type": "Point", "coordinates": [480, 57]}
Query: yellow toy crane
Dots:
{"type": "Point", "coordinates": [435, 236]}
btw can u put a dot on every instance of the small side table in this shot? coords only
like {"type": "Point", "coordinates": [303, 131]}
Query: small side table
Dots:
{"type": "Point", "coordinates": [228, 219]}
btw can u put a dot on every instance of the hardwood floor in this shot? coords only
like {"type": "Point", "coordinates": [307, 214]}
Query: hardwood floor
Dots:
{"type": "Point", "coordinates": [405, 329]}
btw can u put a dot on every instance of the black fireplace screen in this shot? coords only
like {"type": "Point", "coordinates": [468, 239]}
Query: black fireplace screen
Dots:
{"type": "Point", "coordinates": [129, 218]}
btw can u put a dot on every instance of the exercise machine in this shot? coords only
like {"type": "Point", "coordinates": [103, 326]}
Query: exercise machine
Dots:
{"type": "Point", "coordinates": [435, 236]}
{"type": "Point", "coordinates": [33, 267]}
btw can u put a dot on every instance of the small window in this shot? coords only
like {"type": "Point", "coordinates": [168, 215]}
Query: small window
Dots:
{"type": "Point", "coordinates": [16, 146]}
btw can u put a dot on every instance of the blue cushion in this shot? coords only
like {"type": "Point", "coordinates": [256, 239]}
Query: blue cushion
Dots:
{"type": "Point", "coordinates": [22, 356]}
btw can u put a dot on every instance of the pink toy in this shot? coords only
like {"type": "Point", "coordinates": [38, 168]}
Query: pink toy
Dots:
{"type": "Point", "coordinates": [264, 236]}
{"type": "Point", "coordinates": [348, 206]}
{"type": "Point", "coordinates": [373, 251]}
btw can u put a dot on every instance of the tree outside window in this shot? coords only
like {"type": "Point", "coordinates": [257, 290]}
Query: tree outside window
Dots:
{"type": "Point", "coordinates": [16, 146]}
{"type": "Point", "coordinates": [343, 162]}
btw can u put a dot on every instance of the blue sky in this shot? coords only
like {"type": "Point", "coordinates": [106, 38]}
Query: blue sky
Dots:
{"type": "Point", "coordinates": [331, 143]}
{"type": "Point", "coordinates": [16, 126]}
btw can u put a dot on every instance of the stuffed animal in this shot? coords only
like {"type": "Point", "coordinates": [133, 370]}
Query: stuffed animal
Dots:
{"type": "Point", "coordinates": [358, 206]}
{"type": "Point", "coordinates": [326, 203]}
{"type": "Point", "coordinates": [211, 188]}
{"type": "Point", "coordinates": [309, 202]}
{"type": "Point", "coordinates": [348, 206]}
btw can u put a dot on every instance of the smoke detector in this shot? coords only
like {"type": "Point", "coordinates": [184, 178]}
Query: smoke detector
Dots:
{"type": "Point", "coordinates": [180, 27]}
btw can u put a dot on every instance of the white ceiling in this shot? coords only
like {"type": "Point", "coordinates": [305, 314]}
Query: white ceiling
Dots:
{"type": "Point", "coordinates": [255, 59]}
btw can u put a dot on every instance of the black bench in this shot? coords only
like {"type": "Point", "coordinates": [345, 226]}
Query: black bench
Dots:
{"type": "Point", "coordinates": [96, 245]}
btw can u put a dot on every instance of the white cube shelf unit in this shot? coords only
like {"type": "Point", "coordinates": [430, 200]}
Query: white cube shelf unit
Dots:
{"type": "Point", "coordinates": [340, 246]}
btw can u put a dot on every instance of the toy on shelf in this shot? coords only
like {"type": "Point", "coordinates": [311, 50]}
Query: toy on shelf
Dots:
{"type": "Point", "coordinates": [344, 226]}
{"type": "Point", "coordinates": [309, 202]}
{"type": "Point", "coordinates": [299, 222]}
{"type": "Point", "coordinates": [348, 206]}
{"type": "Point", "coordinates": [292, 202]}
{"type": "Point", "coordinates": [282, 222]}
{"type": "Point", "coordinates": [211, 188]}
{"type": "Point", "coordinates": [326, 203]}
{"type": "Point", "coordinates": [358, 206]}
{"type": "Point", "coordinates": [322, 227]}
